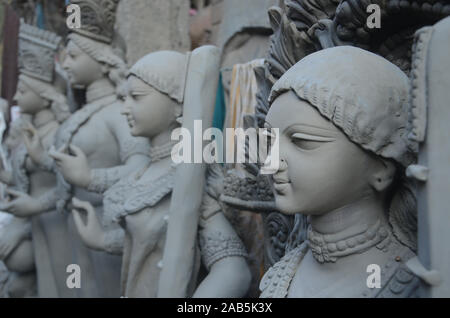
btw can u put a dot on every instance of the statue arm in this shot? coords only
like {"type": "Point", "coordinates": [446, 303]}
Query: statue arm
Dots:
{"type": "Point", "coordinates": [134, 153]}
{"type": "Point", "coordinates": [224, 255]}
{"type": "Point", "coordinates": [44, 162]}
{"type": "Point", "coordinates": [114, 240]}
{"type": "Point", "coordinates": [103, 179]}
{"type": "Point", "coordinates": [47, 201]}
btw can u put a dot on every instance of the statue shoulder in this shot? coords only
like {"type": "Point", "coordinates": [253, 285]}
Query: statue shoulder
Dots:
{"type": "Point", "coordinates": [402, 283]}
{"type": "Point", "coordinates": [276, 281]}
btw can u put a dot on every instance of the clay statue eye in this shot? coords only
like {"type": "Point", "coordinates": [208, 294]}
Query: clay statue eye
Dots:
{"type": "Point", "coordinates": [135, 97]}
{"type": "Point", "coordinates": [72, 54]}
{"type": "Point", "coordinates": [309, 142]}
{"type": "Point", "coordinates": [306, 144]}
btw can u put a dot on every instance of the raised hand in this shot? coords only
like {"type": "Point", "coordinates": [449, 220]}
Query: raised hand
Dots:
{"type": "Point", "coordinates": [91, 232]}
{"type": "Point", "coordinates": [22, 205]}
{"type": "Point", "coordinates": [75, 169]}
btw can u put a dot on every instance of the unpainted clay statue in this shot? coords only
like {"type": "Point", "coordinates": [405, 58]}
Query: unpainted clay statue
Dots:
{"type": "Point", "coordinates": [38, 97]}
{"type": "Point", "coordinates": [94, 146]}
{"type": "Point", "coordinates": [342, 115]}
{"type": "Point", "coordinates": [14, 231]}
{"type": "Point", "coordinates": [140, 203]}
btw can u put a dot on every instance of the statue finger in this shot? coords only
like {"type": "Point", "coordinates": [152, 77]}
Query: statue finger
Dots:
{"type": "Point", "coordinates": [56, 155]}
{"type": "Point", "coordinates": [76, 151]}
{"type": "Point", "coordinates": [78, 221]}
{"type": "Point", "coordinates": [14, 193]}
{"type": "Point", "coordinates": [82, 205]}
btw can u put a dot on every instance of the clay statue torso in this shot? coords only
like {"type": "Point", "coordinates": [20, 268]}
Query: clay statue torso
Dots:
{"type": "Point", "coordinates": [299, 275]}
{"type": "Point", "coordinates": [99, 142]}
{"type": "Point", "coordinates": [102, 133]}
{"type": "Point", "coordinates": [40, 180]}
{"type": "Point", "coordinates": [140, 203]}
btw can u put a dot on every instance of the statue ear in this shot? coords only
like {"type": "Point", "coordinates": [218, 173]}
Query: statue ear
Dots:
{"type": "Point", "coordinates": [178, 110]}
{"type": "Point", "coordinates": [384, 175]}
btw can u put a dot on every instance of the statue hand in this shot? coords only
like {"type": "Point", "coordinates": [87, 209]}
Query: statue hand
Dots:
{"type": "Point", "coordinates": [91, 232]}
{"type": "Point", "coordinates": [75, 169]}
{"type": "Point", "coordinates": [11, 236]}
{"type": "Point", "coordinates": [22, 205]}
{"type": "Point", "coordinates": [33, 143]}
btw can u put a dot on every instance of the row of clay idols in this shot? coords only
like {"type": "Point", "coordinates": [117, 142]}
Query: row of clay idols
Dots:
{"type": "Point", "coordinates": [103, 199]}
{"type": "Point", "coordinates": [94, 192]}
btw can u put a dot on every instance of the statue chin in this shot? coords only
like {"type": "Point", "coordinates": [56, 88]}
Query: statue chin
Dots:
{"type": "Point", "coordinates": [21, 258]}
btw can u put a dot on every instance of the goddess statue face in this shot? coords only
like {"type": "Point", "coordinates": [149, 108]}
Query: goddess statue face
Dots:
{"type": "Point", "coordinates": [28, 100]}
{"type": "Point", "coordinates": [321, 169]}
{"type": "Point", "coordinates": [148, 111]}
{"type": "Point", "coordinates": [81, 68]}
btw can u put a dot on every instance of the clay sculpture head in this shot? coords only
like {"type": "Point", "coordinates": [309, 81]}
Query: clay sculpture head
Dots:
{"type": "Point", "coordinates": [343, 119]}
{"type": "Point", "coordinates": [90, 54]}
{"type": "Point", "coordinates": [38, 86]}
{"type": "Point", "coordinates": [155, 90]}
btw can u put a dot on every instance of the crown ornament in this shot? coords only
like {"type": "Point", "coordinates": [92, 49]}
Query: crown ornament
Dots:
{"type": "Point", "coordinates": [97, 19]}
{"type": "Point", "coordinates": [37, 50]}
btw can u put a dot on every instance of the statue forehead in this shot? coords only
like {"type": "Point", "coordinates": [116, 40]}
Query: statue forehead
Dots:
{"type": "Point", "coordinates": [72, 46]}
{"type": "Point", "coordinates": [289, 110]}
{"type": "Point", "coordinates": [161, 61]}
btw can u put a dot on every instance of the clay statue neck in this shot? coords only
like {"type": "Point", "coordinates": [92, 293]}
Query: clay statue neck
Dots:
{"type": "Point", "coordinates": [348, 230]}
{"type": "Point", "coordinates": [99, 89]}
{"type": "Point", "coordinates": [43, 117]}
{"type": "Point", "coordinates": [162, 146]}
{"type": "Point", "coordinates": [351, 218]}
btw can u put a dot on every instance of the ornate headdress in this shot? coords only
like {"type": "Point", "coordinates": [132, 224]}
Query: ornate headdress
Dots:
{"type": "Point", "coordinates": [97, 19]}
{"type": "Point", "coordinates": [37, 49]}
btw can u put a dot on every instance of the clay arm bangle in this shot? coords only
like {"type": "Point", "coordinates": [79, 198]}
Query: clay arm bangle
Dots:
{"type": "Point", "coordinates": [48, 200]}
{"type": "Point", "coordinates": [45, 162]}
{"type": "Point", "coordinates": [113, 241]}
{"type": "Point", "coordinates": [102, 179]}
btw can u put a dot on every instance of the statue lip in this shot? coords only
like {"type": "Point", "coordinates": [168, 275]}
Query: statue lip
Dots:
{"type": "Point", "coordinates": [280, 188]}
{"type": "Point", "coordinates": [277, 179]}
{"type": "Point", "coordinates": [130, 121]}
